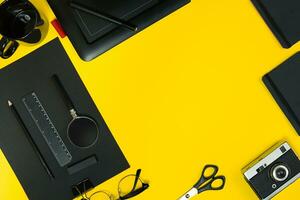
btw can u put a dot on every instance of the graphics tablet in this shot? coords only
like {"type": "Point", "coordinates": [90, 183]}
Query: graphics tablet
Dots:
{"type": "Point", "coordinates": [91, 36]}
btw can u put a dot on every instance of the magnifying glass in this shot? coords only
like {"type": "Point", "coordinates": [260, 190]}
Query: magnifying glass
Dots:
{"type": "Point", "coordinates": [82, 131]}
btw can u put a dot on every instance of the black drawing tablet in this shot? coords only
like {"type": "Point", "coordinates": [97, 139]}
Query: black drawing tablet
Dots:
{"type": "Point", "coordinates": [92, 36]}
{"type": "Point", "coordinates": [283, 18]}
{"type": "Point", "coordinates": [94, 27]}
{"type": "Point", "coordinates": [28, 84]}
{"type": "Point", "coordinates": [284, 84]}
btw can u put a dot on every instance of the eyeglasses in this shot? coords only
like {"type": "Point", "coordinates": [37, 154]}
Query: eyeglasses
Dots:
{"type": "Point", "coordinates": [128, 187]}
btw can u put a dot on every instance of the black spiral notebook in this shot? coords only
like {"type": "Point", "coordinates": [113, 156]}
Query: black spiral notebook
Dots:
{"type": "Point", "coordinates": [284, 84]}
{"type": "Point", "coordinates": [283, 18]}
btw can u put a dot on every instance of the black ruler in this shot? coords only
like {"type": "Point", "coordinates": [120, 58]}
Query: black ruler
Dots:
{"type": "Point", "coordinates": [47, 128]}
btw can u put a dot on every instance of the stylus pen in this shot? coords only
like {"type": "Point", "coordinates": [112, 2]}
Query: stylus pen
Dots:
{"type": "Point", "coordinates": [103, 16]}
{"type": "Point", "coordinates": [30, 139]}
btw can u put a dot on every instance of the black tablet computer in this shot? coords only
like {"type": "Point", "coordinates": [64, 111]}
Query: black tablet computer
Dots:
{"type": "Point", "coordinates": [95, 26]}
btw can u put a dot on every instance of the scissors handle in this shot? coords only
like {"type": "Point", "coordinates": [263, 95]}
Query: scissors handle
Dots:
{"type": "Point", "coordinates": [210, 185]}
{"type": "Point", "coordinates": [208, 172]}
{"type": "Point", "coordinates": [207, 181]}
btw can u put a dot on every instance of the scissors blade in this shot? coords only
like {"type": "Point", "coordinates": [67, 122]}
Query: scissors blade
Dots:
{"type": "Point", "coordinates": [193, 192]}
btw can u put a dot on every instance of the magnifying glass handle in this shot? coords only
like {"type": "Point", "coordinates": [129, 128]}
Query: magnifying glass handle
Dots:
{"type": "Point", "coordinates": [63, 93]}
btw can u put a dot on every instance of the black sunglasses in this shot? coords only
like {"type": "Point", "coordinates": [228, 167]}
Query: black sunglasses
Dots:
{"type": "Point", "coordinates": [134, 191]}
{"type": "Point", "coordinates": [138, 186]}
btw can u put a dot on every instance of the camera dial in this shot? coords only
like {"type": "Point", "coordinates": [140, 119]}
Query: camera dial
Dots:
{"type": "Point", "coordinates": [280, 172]}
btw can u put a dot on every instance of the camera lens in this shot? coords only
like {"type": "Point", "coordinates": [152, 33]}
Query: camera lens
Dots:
{"type": "Point", "coordinates": [280, 173]}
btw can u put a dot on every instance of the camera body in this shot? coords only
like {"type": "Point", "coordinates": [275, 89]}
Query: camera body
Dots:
{"type": "Point", "coordinates": [273, 171]}
{"type": "Point", "coordinates": [19, 20]}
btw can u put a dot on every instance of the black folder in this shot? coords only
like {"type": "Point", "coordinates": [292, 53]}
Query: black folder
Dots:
{"type": "Point", "coordinates": [283, 18]}
{"type": "Point", "coordinates": [90, 166]}
{"type": "Point", "coordinates": [284, 84]}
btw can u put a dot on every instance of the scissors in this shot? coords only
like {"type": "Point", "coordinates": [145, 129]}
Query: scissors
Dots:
{"type": "Point", "coordinates": [208, 181]}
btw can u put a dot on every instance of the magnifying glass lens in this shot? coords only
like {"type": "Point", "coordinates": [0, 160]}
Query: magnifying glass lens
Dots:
{"type": "Point", "coordinates": [83, 132]}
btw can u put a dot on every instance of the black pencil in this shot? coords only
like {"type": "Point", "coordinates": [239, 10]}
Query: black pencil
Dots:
{"type": "Point", "coordinates": [30, 139]}
{"type": "Point", "coordinates": [104, 16]}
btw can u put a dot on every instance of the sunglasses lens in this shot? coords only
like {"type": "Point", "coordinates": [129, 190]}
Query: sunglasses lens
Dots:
{"type": "Point", "coordinates": [101, 196]}
{"type": "Point", "coordinates": [126, 186]}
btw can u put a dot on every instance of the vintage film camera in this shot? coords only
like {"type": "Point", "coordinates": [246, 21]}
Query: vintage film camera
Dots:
{"type": "Point", "coordinates": [273, 171]}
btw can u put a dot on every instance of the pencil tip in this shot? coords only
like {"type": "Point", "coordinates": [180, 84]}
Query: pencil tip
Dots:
{"type": "Point", "coordinates": [9, 103]}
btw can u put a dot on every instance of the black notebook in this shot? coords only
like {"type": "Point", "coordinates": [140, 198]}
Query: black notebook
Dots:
{"type": "Point", "coordinates": [283, 18]}
{"type": "Point", "coordinates": [94, 27]}
{"type": "Point", "coordinates": [284, 84]}
{"type": "Point", "coordinates": [44, 117]}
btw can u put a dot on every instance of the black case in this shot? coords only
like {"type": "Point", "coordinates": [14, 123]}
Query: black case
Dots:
{"type": "Point", "coordinates": [283, 18]}
{"type": "Point", "coordinates": [33, 73]}
{"type": "Point", "coordinates": [89, 46]}
{"type": "Point", "coordinates": [284, 84]}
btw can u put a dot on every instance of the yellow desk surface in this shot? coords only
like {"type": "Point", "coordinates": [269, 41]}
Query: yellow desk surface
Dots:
{"type": "Point", "coordinates": [185, 92]}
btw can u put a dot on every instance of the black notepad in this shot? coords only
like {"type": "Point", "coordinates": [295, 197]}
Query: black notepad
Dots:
{"type": "Point", "coordinates": [284, 84]}
{"type": "Point", "coordinates": [29, 84]}
{"type": "Point", "coordinates": [283, 18]}
{"type": "Point", "coordinates": [94, 27]}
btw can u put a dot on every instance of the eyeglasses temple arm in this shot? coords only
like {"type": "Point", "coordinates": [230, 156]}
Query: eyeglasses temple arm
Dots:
{"type": "Point", "coordinates": [135, 192]}
{"type": "Point", "coordinates": [137, 176]}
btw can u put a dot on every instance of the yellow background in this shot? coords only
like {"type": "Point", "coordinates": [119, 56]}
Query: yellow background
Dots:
{"type": "Point", "coordinates": [185, 92]}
